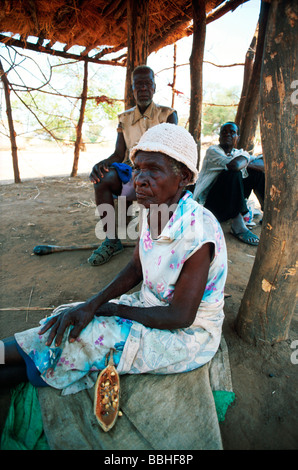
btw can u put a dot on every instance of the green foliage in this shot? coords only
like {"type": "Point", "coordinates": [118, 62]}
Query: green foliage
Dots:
{"type": "Point", "coordinates": [214, 116]}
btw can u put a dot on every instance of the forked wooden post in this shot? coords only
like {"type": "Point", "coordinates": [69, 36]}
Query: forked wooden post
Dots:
{"type": "Point", "coordinates": [14, 149]}
{"type": "Point", "coordinates": [78, 141]}
{"type": "Point", "coordinates": [137, 42]}
{"type": "Point", "coordinates": [196, 71]}
{"type": "Point", "coordinates": [269, 300]}
{"type": "Point", "coordinates": [251, 108]}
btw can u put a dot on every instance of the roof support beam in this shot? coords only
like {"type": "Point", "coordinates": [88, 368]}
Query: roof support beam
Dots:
{"type": "Point", "coordinates": [137, 42]}
{"type": "Point", "coordinates": [196, 71]}
{"type": "Point", "coordinates": [38, 48]}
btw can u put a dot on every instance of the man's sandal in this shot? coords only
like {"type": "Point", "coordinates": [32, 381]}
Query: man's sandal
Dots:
{"type": "Point", "coordinates": [246, 237]}
{"type": "Point", "coordinates": [105, 252]}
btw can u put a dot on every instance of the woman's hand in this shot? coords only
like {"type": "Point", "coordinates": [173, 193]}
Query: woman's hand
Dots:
{"type": "Point", "coordinates": [79, 316]}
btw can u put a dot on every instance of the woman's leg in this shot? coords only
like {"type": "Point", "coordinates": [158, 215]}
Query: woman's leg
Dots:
{"type": "Point", "coordinates": [13, 371]}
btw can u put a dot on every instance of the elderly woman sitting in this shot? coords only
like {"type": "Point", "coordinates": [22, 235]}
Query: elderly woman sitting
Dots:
{"type": "Point", "coordinates": [173, 324]}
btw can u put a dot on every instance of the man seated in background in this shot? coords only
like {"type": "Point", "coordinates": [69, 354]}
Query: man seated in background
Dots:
{"type": "Point", "coordinates": [112, 177]}
{"type": "Point", "coordinates": [227, 177]}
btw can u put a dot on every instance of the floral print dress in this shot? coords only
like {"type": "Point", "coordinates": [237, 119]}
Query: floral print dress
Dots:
{"type": "Point", "coordinates": [139, 349]}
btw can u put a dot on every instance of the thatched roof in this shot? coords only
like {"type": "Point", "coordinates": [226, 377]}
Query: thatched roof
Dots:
{"type": "Point", "coordinates": [99, 26]}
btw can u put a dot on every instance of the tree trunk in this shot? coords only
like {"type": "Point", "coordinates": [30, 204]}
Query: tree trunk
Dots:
{"type": "Point", "coordinates": [250, 116]}
{"type": "Point", "coordinates": [78, 141]}
{"type": "Point", "coordinates": [13, 143]}
{"type": "Point", "coordinates": [248, 68]}
{"type": "Point", "coordinates": [196, 71]}
{"type": "Point", "coordinates": [137, 43]}
{"type": "Point", "coordinates": [269, 300]}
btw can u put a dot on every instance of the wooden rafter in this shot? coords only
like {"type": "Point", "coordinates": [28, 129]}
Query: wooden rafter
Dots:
{"type": "Point", "coordinates": [48, 49]}
{"type": "Point", "coordinates": [98, 23]}
{"type": "Point", "coordinates": [229, 5]}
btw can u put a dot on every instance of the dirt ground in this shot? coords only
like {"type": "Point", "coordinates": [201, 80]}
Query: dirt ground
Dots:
{"type": "Point", "coordinates": [60, 211]}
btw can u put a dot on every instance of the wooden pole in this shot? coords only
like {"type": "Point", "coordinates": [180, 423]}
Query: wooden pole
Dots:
{"type": "Point", "coordinates": [13, 143]}
{"type": "Point", "coordinates": [137, 42]}
{"type": "Point", "coordinates": [78, 141]}
{"type": "Point", "coordinates": [269, 300]}
{"type": "Point", "coordinates": [248, 68]}
{"type": "Point", "coordinates": [174, 75]}
{"type": "Point", "coordinates": [54, 52]}
{"type": "Point", "coordinates": [250, 114]}
{"type": "Point", "coordinates": [196, 71]}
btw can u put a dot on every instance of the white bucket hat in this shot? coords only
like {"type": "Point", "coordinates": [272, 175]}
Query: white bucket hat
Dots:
{"type": "Point", "coordinates": [172, 140]}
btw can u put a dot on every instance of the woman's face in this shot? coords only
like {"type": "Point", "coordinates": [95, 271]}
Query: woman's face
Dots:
{"type": "Point", "coordinates": [155, 181]}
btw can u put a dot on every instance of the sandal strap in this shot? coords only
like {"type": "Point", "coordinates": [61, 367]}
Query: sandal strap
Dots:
{"type": "Point", "coordinates": [104, 248]}
{"type": "Point", "coordinates": [105, 251]}
{"type": "Point", "coordinates": [246, 237]}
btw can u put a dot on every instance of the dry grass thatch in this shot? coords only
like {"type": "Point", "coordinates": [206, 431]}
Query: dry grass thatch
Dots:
{"type": "Point", "coordinates": [96, 23]}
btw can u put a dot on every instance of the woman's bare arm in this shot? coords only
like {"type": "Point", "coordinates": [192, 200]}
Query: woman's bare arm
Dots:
{"type": "Point", "coordinates": [180, 313]}
{"type": "Point", "coordinates": [188, 294]}
{"type": "Point", "coordinates": [79, 316]}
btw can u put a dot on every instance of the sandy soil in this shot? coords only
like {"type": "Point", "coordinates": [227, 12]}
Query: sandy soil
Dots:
{"type": "Point", "coordinates": [61, 211]}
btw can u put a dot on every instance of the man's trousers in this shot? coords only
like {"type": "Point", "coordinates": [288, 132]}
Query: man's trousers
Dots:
{"type": "Point", "coordinates": [227, 197]}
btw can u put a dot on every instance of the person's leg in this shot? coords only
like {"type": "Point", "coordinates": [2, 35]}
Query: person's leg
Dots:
{"type": "Point", "coordinates": [13, 371]}
{"type": "Point", "coordinates": [105, 190]}
{"type": "Point", "coordinates": [226, 197]}
{"type": "Point", "coordinates": [226, 200]}
{"type": "Point", "coordinates": [255, 182]}
{"type": "Point", "coordinates": [238, 224]}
